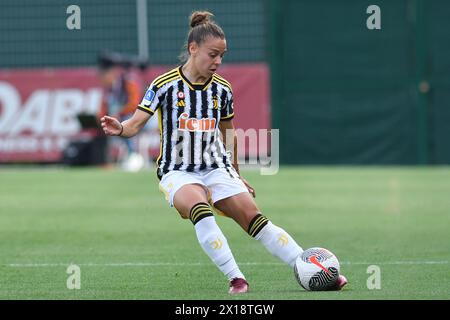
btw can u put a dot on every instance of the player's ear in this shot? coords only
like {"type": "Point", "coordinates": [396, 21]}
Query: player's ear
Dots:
{"type": "Point", "coordinates": [193, 48]}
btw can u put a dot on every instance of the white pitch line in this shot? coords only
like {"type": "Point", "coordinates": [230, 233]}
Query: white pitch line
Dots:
{"type": "Point", "coordinates": [161, 264]}
{"type": "Point", "coordinates": [128, 264]}
{"type": "Point", "coordinates": [396, 263]}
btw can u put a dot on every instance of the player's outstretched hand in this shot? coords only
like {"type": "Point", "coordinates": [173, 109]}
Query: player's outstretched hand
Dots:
{"type": "Point", "coordinates": [249, 187]}
{"type": "Point", "coordinates": [111, 126]}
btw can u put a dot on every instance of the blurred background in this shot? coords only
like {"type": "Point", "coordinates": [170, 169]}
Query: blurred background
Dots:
{"type": "Point", "coordinates": [339, 92]}
{"type": "Point", "coordinates": [363, 117]}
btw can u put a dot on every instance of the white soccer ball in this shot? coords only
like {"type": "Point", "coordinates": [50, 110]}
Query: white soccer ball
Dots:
{"type": "Point", "coordinates": [317, 269]}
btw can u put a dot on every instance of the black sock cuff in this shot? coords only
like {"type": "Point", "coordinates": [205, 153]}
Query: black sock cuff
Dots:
{"type": "Point", "coordinates": [199, 211]}
{"type": "Point", "coordinates": [256, 225]}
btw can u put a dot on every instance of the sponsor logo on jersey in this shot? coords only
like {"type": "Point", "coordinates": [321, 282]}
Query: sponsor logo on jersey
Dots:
{"type": "Point", "coordinates": [195, 125]}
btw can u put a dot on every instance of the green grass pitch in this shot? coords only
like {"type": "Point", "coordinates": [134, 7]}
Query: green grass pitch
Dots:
{"type": "Point", "coordinates": [129, 244]}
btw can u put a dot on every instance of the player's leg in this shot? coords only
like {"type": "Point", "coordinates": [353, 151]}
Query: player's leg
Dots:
{"type": "Point", "coordinates": [191, 202]}
{"type": "Point", "coordinates": [242, 208]}
{"type": "Point", "coordinates": [233, 200]}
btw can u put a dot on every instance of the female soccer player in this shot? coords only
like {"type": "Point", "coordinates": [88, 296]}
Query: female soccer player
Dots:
{"type": "Point", "coordinates": [197, 165]}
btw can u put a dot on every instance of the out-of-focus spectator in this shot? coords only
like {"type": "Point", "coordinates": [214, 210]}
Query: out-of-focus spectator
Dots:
{"type": "Point", "coordinates": [123, 90]}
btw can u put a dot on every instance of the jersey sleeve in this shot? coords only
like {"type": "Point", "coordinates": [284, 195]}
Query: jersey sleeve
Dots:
{"type": "Point", "coordinates": [152, 99]}
{"type": "Point", "coordinates": [227, 112]}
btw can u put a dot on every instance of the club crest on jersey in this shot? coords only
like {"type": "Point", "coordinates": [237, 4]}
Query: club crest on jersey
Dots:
{"type": "Point", "coordinates": [215, 102]}
{"type": "Point", "coordinates": [195, 125]}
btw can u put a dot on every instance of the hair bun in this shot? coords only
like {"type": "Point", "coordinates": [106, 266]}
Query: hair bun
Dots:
{"type": "Point", "coordinates": [200, 17]}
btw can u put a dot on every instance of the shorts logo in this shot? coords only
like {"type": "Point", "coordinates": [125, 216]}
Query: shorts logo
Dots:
{"type": "Point", "coordinates": [148, 98]}
{"type": "Point", "coordinates": [195, 125]}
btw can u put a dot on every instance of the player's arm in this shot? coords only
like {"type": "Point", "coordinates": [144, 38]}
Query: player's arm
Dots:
{"type": "Point", "coordinates": [128, 128]}
{"type": "Point", "coordinates": [229, 137]}
{"type": "Point", "coordinates": [132, 126]}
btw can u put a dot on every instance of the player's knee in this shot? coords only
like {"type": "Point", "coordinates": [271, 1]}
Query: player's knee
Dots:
{"type": "Point", "coordinates": [183, 209]}
{"type": "Point", "coordinates": [184, 214]}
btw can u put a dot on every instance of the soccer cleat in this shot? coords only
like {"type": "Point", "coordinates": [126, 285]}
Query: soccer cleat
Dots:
{"type": "Point", "coordinates": [340, 283]}
{"type": "Point", "coordinates": [238, 285]}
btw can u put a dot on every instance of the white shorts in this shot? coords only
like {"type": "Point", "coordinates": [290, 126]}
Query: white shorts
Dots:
{"type": "Point", "coordinates": [218, 183]}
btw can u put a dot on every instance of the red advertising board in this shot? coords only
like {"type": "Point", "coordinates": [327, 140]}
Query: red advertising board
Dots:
{"type": "Point", "coordinates": [38, 107]}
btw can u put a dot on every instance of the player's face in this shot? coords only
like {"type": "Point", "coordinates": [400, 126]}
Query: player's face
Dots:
{"type": "Point", "coordinates": [208, 56]}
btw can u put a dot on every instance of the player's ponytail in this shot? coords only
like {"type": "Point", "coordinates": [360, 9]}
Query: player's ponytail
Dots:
{"type": "Point", "coordinates": [202, 26]}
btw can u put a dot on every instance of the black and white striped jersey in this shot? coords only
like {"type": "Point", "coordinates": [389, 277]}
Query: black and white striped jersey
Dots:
{"type": "Point", "coordinates": [189, 116]}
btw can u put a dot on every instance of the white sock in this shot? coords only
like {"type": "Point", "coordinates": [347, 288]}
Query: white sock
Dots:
{"type": "Point", "coordinates": [279, 243]}
{"type": "Point", "coordinates": [216, 247]}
